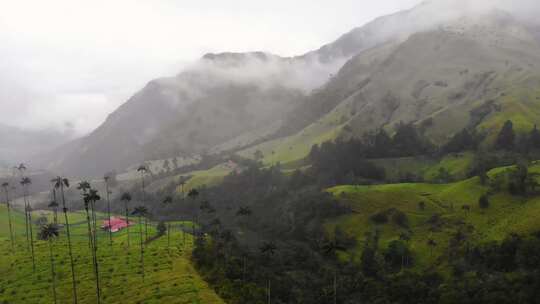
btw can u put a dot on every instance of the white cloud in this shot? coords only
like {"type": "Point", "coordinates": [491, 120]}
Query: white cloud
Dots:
{"type": "Point", "coordinates": [74, 61]}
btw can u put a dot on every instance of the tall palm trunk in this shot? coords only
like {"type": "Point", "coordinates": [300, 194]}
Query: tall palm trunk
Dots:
{"type": "Point", "coordinates": [53, 273]}
{"type": "Point", "coordinates": [9, 218]}
{"type": "Point", "coordinates": [144, 201]}
{"type": "Point", "coordinates": [142, 246]}
{"type": "Point", "coordinates": [29, 230]}
{"type": "Point", "coordinates": [26, 221]}
{"type": "Point", "coordinates": [55, 210]}
{"type": "Point", "coordinates": [127, 222]}
{"type": "Point", "coordinates": [109, 212]}
{"type": "Point", "coordinates": [268, 291]}
{"type": "Point", "coordinates": [94, 220]}
{"type": "Point", "coordinates": [168, 235]}
{"type": "Point", "coordinates": [145, 229]}
{"type": "Point", "coordinates": [91, 243]}
{"type": "Point", "coordinates": [70, 249]}
{"type": "Point", "coordinates": [31, 239]}
{"type": "Point", "coordinates": [94, 248]}
{"type": "Point", "coordinates": [335, 286]}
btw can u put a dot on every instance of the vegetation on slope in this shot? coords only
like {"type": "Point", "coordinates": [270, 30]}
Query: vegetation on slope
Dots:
{"type": "Point", "coordinates": [169, 276]}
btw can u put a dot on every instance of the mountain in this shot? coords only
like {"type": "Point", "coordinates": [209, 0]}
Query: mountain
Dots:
{"type": "Point", "coordinates": [475, 71]}
{"type": "Point", "coordinates": [230, 101]}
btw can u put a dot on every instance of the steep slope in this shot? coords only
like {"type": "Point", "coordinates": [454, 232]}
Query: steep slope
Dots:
{"type": "Point", "coordinates": [228, 101]}
{"type": "Point", "coordinates": [218, 98]}
{"type": "Point", "coordinates": [472, 72]}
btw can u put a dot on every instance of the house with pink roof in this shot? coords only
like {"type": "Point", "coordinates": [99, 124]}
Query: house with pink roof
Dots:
{"type": "Point", "coordinates": [116, 224]}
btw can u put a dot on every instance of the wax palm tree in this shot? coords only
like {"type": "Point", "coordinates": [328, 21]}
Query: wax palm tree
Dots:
{"type": "Point", "coordinates": [167, 201]}
{"type": "Point", "coordinates": [85, 187]}
{"type": "Point", "coordinates": [90, 197]}
{"type": "Point", "coordinates": [59, 183]}
{"type": "Point", "coordinates": [193, 194]}
{"type": "Point", "coordinates": [25, 182]}
{"type": "Point", "coordinates": [143, 170]}
{"type": "Point", "coordinates": [405, 237]}
{"type": "Point", "coordinates": [126, 198]}
{"type": "Point", "coordinates": [432, 244]}
{"type": "Point", "coordinates": [54, 206]}
{"type": "Point", "coordinates": [141, 212]}
{"type": "Point", "coordinates": [268, 249]}
{"type": "Point", "coordinates": [331, 248]}
{"type": "Point", "coordinates": [5, 185]}
{"type": "Point", "coordinates": [49, 233]}
{"type": "Point", "coordinates": [106, 178]}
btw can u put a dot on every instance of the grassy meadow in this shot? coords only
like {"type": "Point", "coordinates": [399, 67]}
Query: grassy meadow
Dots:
{"type": "Point", "coordinates": [169, 275]}
{"type": "Point", "coordinates": [434, 211]}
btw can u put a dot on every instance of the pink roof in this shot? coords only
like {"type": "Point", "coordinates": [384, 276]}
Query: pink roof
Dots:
{"type": "Point", "coordinates": [115, 225]}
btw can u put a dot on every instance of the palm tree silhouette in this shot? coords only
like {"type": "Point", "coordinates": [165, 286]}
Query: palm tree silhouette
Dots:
{"type": "Point", "coordinates": [54, 206]}
{"type": "Point", "coordinates": [141, 212]}
{"type": "Point", "coordinates": [331, 248]}
{"type": "Point", "coordinates": [431, 243]}
{"type": "Point", "coordinates": [268, 249]}
{"type": "Point", "coordinates": [85, 187]}
{"type": "Point", "coordinates": [143, 170]}
{"type": "Point", "coordinates": [106, 178]}
{"type": "Point", "coordinates": [405, 237]}
{"type": "Point", "coordinates": [5, 185]}
{"type": "Point", "coordinates": [167, 201]}
{"type": "Point", "coordinates": [193, 194]}
{"type": "Point", "coordinates": [126, 198]}
{"type": "Point", "coordinates": [25, 182]}
{"type": "Point", "coordinates": [48, 233]}
{"type": "Point", "coordinates": [90, 197]}
{"type": "Point", "coordinates": [59, 183]}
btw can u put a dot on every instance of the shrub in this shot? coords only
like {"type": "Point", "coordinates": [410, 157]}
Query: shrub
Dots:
{"type": "Point", "coordinates": [380, 217]}
{"type": "Point", "coordinates": [400, 218]}
{"type": "Point", "coordinates": [161, 228]}
{"type": "Point", "coordinates": [483, 201]}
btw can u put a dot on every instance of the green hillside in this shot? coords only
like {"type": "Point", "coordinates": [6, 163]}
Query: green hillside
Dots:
{"type": "Point", "coordinates": [441, 218]}
{"type": "Point", "coordinates": [170, 277]}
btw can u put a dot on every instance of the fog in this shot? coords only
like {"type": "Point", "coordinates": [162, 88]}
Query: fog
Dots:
{"type": "Point", "coordinates": [65, 65]}
{"type": "Point", "coordinates": [70, 63]}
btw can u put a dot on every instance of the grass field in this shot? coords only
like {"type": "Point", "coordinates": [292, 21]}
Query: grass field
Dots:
{"type": "Point", "coordinates": [506, 214]}
{"type": "Point", "coordinates": [170, 277]}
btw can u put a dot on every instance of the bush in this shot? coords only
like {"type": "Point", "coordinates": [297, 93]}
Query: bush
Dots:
{"type": "Point", "coordinates": [483, 201]}
{"type": "Point", "coordinates": [380, 217]}
{"type": "Point", "coordinates": [400, 218]}
{"type": "Point", "coordinates": [161, 228]}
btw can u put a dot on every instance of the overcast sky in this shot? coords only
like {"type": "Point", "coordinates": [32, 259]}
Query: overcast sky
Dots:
{"type": "Point", "coordinates": [69, 63]}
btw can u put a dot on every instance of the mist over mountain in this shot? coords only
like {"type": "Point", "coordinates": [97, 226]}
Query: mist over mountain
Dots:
{"type": "Point", "coordinates": [231, 100]}
{"type": "Point", "coordinates": [18, 145]}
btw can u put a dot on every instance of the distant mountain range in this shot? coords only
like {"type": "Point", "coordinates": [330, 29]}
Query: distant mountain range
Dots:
{"type": "Point", "coordinates": [437, 65]}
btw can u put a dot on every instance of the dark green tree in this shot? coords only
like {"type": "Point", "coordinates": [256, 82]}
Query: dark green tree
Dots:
{"type": "Point", "coordinates": [506, 138]}
{"type": "Point", "coordinates": [483, 201]}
